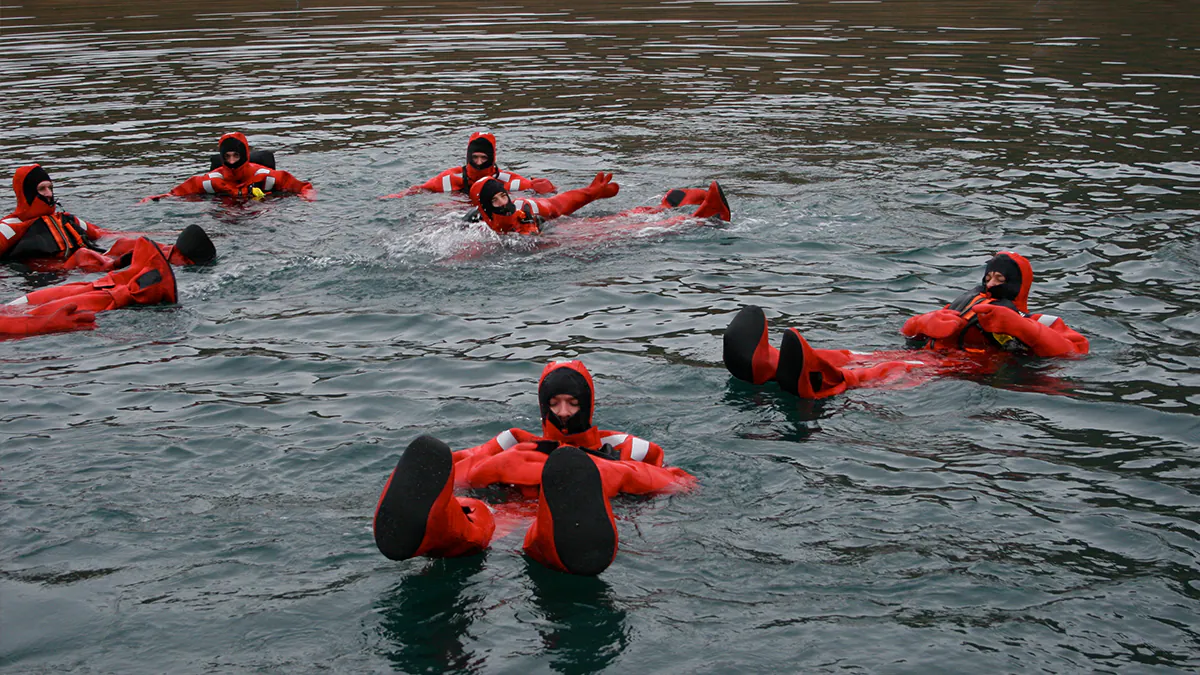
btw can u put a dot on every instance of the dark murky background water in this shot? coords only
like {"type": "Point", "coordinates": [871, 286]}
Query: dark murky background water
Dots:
{"type": "Point", "coordinates": [189, 488]}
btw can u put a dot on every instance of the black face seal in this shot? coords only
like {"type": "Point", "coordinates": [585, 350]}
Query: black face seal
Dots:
{"type": "Point", "coordinates": [232, 144]}
{"type": "Point", "coordinates": [570, 382]}
{"type": "Point", "coordinates": [1011, 288]}
{"type": "Point", "coordinates": [481, 145]}
{"type": "Point", "coordinates": [30, 184]}
{"type": "Point", "coordinates": [490, 189]}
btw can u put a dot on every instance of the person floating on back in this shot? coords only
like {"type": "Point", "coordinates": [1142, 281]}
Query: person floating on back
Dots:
{"type": "Point", "coordinates": [481, 163]}
{"type": "Point", "coordinates": [992, 317]}
{"type": "Point", "coordinates": [528, 215]}
{"type": "Point", "coordinates": [572, 467]}
{"type": "Point", "coordinates": [40, 235]}
{"type": "Point", "coordinates": [239, 176]}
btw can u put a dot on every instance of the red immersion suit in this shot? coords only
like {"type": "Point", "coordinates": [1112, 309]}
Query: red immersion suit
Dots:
{"type": "Point", "coordinates": [240, 179]}
{"type": "Point", "coordinates": [461, 178]}
{"type": "Point", "coordinates": [573, 467]}
{"type": "Point", "coordinates": [981, 320]}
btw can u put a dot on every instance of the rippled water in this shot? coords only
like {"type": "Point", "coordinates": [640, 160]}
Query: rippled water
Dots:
{"type": "Point", "coordinates": [189, 488]}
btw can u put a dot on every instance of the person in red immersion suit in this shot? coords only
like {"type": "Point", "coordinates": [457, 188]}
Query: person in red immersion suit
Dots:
{"type": "Point", "coordinates": [572, 467]}
{"type": "Point", "coordinates": [528, 216]}
{"type": "Point", "coordinates": [481, 163]}
{"type": "Point", "coordinates": [239, 177]}
{"type": "Point", "coordinates": [147, 279]}
{"type": "Point", "coordinates": [38, 234]}
{"type": "Point", "coordinates": [992, 317]}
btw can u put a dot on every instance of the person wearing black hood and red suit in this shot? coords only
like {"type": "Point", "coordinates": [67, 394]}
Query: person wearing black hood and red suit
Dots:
{"type": "Point", "coordinates": [528, 215]}
{"type": "Point", "coordinates": [573, 468]}
{"type": "Point", "coordinates": [238, 177]}
{"type": "Point", "coordinates": [46, 239]}
{"type": "Point", "coordinates": [481, 163]}
{"type": "Point", "coordinates": [991, 318]}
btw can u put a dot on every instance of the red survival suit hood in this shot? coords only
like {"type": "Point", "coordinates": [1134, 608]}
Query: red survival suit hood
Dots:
{"type": "Point", "coordinates": [573, 378]}
{"type": "Point", "coordinates": [235, 142]}
{"type": "Point", "coordinates": [30, 204]}
{"type": "Point", "coordinates": [481, 142]}
{"type": "Point", "coordinates": [1018, 279]}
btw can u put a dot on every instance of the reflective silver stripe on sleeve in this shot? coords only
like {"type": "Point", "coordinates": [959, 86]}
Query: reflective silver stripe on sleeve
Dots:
{"type": "Point", "coordinates": [215, 174]}
{"type": "Point", "coordinates": [506, 440]}
{"type": "Point", "coordinates": [446, 184]}
{"type": "Point", "coordinates": [503, 177]}
{"type": "Point", "coordinates": [516, 185]}
{"type": "Point", "coordinates": [23, 300]}
{"type": "Point", "coordinates": [639, 450]}
{"type": "Point", "coordinates": [269, 184]}
{"type": "Point", "coordinates": [615, 439]}
{"type": "Point", "coordinates": [262, 171]}
{"type": "Point", "coordinates": [7, 231]}
{"type": "Point", "coordinates": [1047, 319]}
{"type": "Point", "coordinates": [536, 211]}
{"type": "Point", "coordinates": [209, 188]}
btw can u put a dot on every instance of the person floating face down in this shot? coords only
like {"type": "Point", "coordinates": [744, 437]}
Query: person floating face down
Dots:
{"type": "Point", "coordinates": [481, 163]}
{"type": "Point", "coordinates": [238, 177]}
{"type": "Point", "coordinates": [572, 467]}
{"type": "Point", "coordinates": [992, 317]}
{"type": "Point", "coordinates": [38, 234]}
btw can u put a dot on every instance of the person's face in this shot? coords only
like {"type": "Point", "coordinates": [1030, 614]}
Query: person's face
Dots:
{"type": "Point", "coordinates": [232, 157]}
{"type": "Point", "coordinates": [993, 279]}
{"type": "Point", "coordinates": [46, 190]}
{"type": "Point", "coordinates": [564, 406]}
{"type": "Point", "coordinates": [478, 159]}
{"type": "Point", "coordinates": [499, 201]}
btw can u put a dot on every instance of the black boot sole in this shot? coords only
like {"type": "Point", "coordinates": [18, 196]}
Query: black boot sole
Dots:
{"type": "Point", "coordinates": [403, 513]}
{"type": "Point", "coordinates": [584, 537]}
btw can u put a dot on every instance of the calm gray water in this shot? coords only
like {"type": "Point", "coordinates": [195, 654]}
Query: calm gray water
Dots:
{"type": "Point", "coordinates": [189, 489]}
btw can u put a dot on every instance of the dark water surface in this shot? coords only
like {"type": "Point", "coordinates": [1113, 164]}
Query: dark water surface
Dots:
{"type": "Point", "coordinates": [190, 488]}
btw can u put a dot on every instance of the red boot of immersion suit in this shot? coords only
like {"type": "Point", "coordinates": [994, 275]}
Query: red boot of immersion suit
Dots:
{"type": "Point", "coordinates": [148, 280]}
{"type": "Point", "coordinates": [683, 197]}
{"type": "Point", "coordinates": [575, 531]}
{"type": "Point", "coordinates": [804, 372]}
{"type": "Point", "coordinates": [417, 513]}
{"type": "Point", "coordinates": [747, 353]}
{"type": "Point", "coordinates": [714, 204]}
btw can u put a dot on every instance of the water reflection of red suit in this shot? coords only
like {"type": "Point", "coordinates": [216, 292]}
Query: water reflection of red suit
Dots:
{"type": "Point", "coordinates": [241, 179]}
{"type": "Point", "coordinates": [984, 320]}
{"type": "Point", "coordinates": [573, 467]}
{"type": "Point", "coordinates": [461, 178]}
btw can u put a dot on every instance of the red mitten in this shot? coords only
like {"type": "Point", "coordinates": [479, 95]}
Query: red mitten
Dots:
{"type": "Point", "coordinates": [65, 318]}
{"type": "Point", "coordinates": [938, 324]}
{"type": "Point", "coordinates": [1042, 339]}
{"type": "Point", "coordinates": [1000, 319]}
{"type": "Point", "coordinates": [519, 465]}
{"type": "Point", "coordinates": [542, 185]}
{"type": "Point", "coordinates": [602, 186]}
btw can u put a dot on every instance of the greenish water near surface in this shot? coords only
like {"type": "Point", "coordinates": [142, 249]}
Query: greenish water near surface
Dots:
{"type": "Point", "coordinates": [190, 488]}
